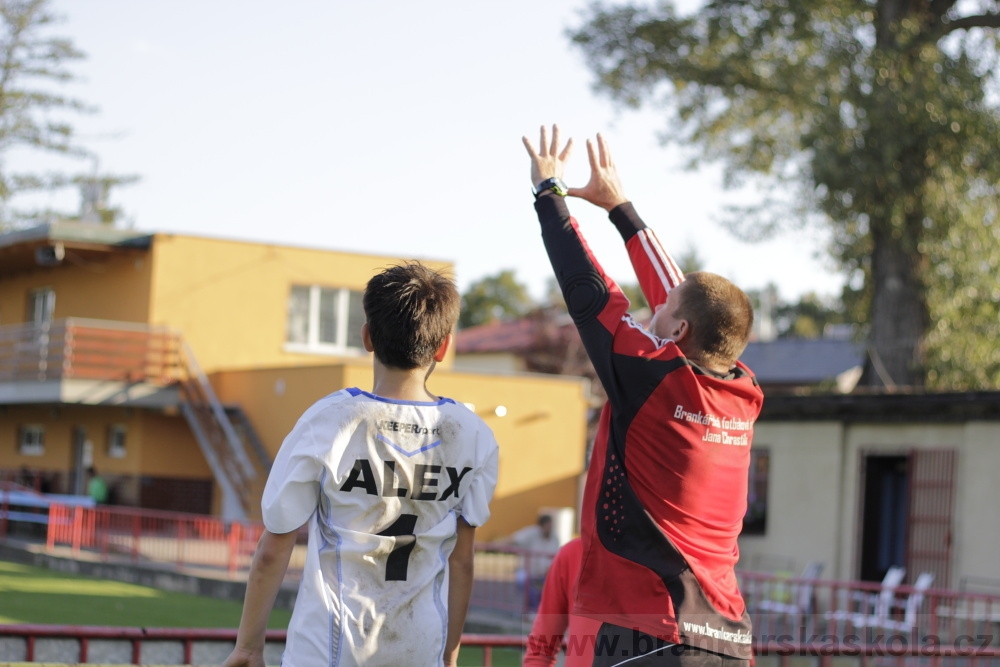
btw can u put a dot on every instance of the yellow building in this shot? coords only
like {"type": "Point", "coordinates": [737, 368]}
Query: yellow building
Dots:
{"type": "Point", "coordinates": [175, 365]}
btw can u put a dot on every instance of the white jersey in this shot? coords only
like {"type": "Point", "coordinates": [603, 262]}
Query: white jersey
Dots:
{"type": "Point", "coordinates": [382, 484]}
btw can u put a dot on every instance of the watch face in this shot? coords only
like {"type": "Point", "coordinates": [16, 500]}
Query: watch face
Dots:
{"type": "Point", "coordinates": [554, 184]}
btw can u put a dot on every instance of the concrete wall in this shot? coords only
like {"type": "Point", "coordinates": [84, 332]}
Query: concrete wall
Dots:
{"type": "Point", "coordinates": [977, 528]}
{"type": "Point", "coordinates": [815, 493]}
{"type": "Point", "coordinates": [803, 495]}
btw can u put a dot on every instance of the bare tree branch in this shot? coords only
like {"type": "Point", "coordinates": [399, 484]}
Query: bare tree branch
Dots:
{"type": "Point", "coordinates": [967, 22]}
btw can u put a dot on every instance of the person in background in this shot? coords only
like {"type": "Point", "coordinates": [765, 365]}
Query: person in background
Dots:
{"type": "Point", "coordinates": [97, 488]}
{"type": "Point", "coordinates": [556, 622]}
{"type": "Point", "coordinates": [540, 543]}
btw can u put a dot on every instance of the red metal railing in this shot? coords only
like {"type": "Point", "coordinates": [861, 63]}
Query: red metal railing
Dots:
{"type": "Point", "coordinates": [84, 636]}
{"type": "Point", "coordinates": [503, 579]}
{"type": "Point", "coordinates": [957, 654]}
{"type": "Point", "coordinates": [89, 349]}
{"type": "Point", "coordinates": [803, 611]}
{"type": "Point", "coordinates": [162, 537]}
{"type": "Point", "coordinates": [503, 575]}
{"type": "Point", "coordinates": [792, 609]}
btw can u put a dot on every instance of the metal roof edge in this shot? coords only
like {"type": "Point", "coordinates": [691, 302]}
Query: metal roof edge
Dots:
{"type": "Point", "coordinates": [81, 232]}
{"type": "Point", "coordinates": [888, 407]}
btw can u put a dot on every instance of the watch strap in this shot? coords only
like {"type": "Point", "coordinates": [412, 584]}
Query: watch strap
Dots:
{"type": "Point", "coordinates": [555, 184]}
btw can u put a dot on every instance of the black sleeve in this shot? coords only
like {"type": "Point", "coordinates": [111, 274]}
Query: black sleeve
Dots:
{"type": "Point", "coordinates": [626, 220]}
{"type": "Point", "coordinates": [580, 280]}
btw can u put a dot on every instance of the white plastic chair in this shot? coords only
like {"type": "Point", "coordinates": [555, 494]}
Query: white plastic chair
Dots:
{"type": "Point", "coordinates": [872, 606]}
{"type": "Point", "coordinates": [910, 608]}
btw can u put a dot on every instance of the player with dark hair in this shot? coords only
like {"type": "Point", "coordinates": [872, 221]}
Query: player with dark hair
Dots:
{"type": "Point", "coordinates": [392, 484]}
{"type": "Point", "coordinates": [666, 490]}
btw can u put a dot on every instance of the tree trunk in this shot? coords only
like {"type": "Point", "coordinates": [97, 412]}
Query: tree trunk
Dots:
{"type": "Point", "coordinates": [899, 317]}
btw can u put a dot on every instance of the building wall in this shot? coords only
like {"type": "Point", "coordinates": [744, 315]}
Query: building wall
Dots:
{"type": "Point", "coordinates": [542, 436]}
{"type": "Point", "coordinates": [490, 362]}
{"type": "Point", "coordinates": [59, 422]}
{"type": "Point", "coordinates": [815, 493]}
{"type": "Point", "coordinates": [542, 440]}
{"type": "Point", "coordinates": [977, 528]}
{"type": "Point", "coordinates": [864, 439]}
{"type": "Point", "coordinates": [116, 289]}
{"type": "Point", "coordinates": [275, 398]}
{"type": "Point", "coordinates": [169, 449]}
{"type": "Point", "coordinates": [156, 445]}
{"type": "Point", "coordinates": [229, 299]}
{"type": "Point", "coordinates": [803, 493]}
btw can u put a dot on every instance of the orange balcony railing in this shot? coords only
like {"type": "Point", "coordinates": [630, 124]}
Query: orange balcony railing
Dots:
{"type": "Point", "coordinates": [86, 349]}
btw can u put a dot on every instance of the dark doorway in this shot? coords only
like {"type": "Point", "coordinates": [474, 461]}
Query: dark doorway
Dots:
{"type": "Point", "coordinates": [885, 515]}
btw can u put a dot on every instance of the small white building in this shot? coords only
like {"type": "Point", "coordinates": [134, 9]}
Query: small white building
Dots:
{"type": "Point", "coordinates": [864, 482]}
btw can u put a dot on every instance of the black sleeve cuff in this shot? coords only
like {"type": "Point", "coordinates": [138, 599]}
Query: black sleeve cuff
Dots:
{"type": "Point", "coordinates": [626, 220]}
{"type": "Point", "coordinates": [550, 206]}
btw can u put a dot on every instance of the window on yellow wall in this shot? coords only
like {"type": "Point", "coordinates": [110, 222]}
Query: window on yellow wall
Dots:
{"type": "Point", "coordinates": [31, 440]}
{"type": "Point", "coordinates": [324, 319]}
{"type": "Point", "coordinates": [41, 306]}
{"type": "Point", "coordinates": [298, 315]}
{"type": "Point", "coordinates": [116, 441]}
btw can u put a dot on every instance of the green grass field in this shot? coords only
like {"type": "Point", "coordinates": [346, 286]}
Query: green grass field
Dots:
{"type": "Point", "coordinates": [36, 595]}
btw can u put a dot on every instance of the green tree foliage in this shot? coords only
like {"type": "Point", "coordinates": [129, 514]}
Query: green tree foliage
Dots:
{"type": "Point", "coordinates": [809, 317]}
{"type": "Point", "coordinates": [962, 344]}
{"type": "Point", "coordinates": [493, 298]}
{"type": "Point", "coordinates": [635, 296]}
{"type": "Point", "coordinates": [876, 117]}
{"type": "Point", "coordinates": [33, 113]}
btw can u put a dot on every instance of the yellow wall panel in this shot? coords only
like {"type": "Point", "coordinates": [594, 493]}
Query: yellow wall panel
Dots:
{"type": "Point", "coordinates": [169, 448]}
{"type": "Point", "coordinates": [115, 289]}
{"type": "Point", "coordinates": [230, 299]}
{"type": "Point", "coordinates": [541, 433]}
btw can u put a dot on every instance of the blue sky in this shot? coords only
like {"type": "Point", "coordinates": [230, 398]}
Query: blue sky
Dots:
{"type": "Point", "coordinates": [382, 127]}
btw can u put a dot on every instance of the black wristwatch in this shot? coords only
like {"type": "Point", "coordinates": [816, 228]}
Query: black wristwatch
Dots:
{"type": "Point", "coordinates": [555, 184]}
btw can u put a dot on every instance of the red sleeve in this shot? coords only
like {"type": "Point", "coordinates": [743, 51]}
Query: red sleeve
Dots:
{"type": "Point", "coordinates": [545, 638]}
{"type": "Point", "coordinates": [656, 270]}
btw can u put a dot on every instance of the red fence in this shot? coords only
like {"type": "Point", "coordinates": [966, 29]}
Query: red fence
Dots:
{"type": "Point", "coordinates": [504, 580]}
{"type": "Point", "coordinates": [80, 644]}
{"type": "Point", "coordinates": [806, 611]}
{"type": "Point", "coordinates": [161, 537]}
{"type": "Point", "coordinates": [784, 609]}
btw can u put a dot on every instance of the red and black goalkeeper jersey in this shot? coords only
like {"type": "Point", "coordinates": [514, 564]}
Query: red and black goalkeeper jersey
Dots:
{"type": "Point", "coordinates": [666, 490]}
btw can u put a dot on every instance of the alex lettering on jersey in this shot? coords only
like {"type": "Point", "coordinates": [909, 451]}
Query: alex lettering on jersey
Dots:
{"type": "Point", "coordinates": [382, 485]}
{"type": "Point", "coordinates": [427, 478]}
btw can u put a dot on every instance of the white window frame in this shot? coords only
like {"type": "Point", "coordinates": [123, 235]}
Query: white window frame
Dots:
{"type": "Point", "coordinates": [117, 434]}
{"type": "Point", "coordinates": [313, 344]}
{"type": "Point", "coordinates": [31, 440]}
